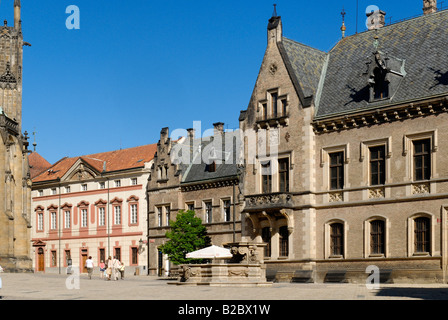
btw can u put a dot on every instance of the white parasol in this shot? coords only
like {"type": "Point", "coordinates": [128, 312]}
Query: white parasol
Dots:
{"type": "Point", "coordinates": [213, 252]}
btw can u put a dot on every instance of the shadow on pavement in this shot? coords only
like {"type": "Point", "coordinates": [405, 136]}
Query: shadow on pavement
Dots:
{"type": "Point", "coordinates": [415, 293]}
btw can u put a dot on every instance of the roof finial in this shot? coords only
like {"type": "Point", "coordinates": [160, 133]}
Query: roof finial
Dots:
{"type": "Point", "coordinates": [274, 14]}
{"type": "Point", "coordinates": [343, 28]}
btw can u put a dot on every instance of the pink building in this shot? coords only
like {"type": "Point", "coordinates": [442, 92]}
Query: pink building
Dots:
{"type": "Point", "coordinates": [92, 205]}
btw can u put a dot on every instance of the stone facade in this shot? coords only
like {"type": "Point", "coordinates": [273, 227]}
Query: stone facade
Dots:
{"type": "Point", "coordinates": [194, 184]}
{"type": "Point", "coordinates": [333, 189]}
{"type": "Point", "coordinates": [15, 217]}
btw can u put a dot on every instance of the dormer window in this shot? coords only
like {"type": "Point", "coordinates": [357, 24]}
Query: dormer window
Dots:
{"type": "Point", "coordinates": [380, 84]}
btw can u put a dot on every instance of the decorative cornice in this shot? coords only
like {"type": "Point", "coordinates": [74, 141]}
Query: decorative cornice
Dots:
{"type": "Point", "coordinates": [208, 185]}
{"type": "Point", "coordinates": [381, 115]}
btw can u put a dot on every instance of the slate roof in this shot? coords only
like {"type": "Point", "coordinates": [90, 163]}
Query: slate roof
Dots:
{"type": "Point", "coordinates": [421, 42]}
{"type": "Point", "coordinates": [306, 63]}
{"type": "Point", "coordinates": [198, 171]}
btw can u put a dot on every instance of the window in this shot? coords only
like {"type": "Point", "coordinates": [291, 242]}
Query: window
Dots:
{"type": "Point", "coordinates": [284, 107]}
{"type": "Point", "coordinates": [134, 214]}
{"type": "Point", "coordinates": [377, 165]}
{"type": "Point", "coordinates": [208, 212]}
{"type": "Point", "coordinates": [283, 171]}
{"type": "Point", "coordinates": [211, 167]}
{"type": "Point", "coordinates": [40, 193]}
{"type": "Point", "coordinates": [190, 206]}
{"type": "Point", "coordinates": [284, 241]}
{"type": "Point", "coordinates": [274, 102]}
{"type": "Point", "coordinates": [422, 235]}
{"type": "Point", "coordinates": [381, 85]}
{"type": "Point", "coordinates": [67, 219]}
{"type": "Point", "coordinates": [101, 216]}
{"type": "Point", "coordinates": [226, 209]}
{"type": "Point", "coordinates": [83, 217]}
{"type": "Point", "coordinates": [266, 177]}
{"type": "Point", "coordinates": [159, 216]}
{"type": "Point", "coordinates": [377, 236]}
{"type": "Point", "coordinates": [266, 237]}
{"type": "Point", "coordinates": [133, 181]}
{"type": "Point", "coordinates": [53, 191]}
{"type": "Point", "coordinates": [117, 183]}
{"type": "Point", "coordinates": [54, 258]}
{"type": "Point", "coordinates": [337, 170]}
{"type": "Point", "coordinates": [117, 215]}
{"type": "Point", "coordinates": [67, 189]}
{"type": "Point", "coordinates": [102, 254]}
{"type": "Point", "coordinates": [53, 221]}
{"type": "Point", "coordinates": [68, 257]}
{"type": "Point", "coordinates": [118, 253]}
{"type": "Point", "coordinates": [84, 187]}
{"type": "Point", "coordinates": [40, 221]}
{"type": "Point", "coordinates": [336, 239]}
{"type": "Point", "coordinates": [134, 256]}
{"type": "Point", "coordinates": [102, 185]}
{"type": "Point", "coordinates": [167, 215]}
{"type": "Point", "coordinates": [265, 111]}
{"type": "Point", "coordinates": [422, 159]}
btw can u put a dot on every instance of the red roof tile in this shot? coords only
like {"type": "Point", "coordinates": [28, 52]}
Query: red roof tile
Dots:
{"type": "Point", "coordinates": [110, 161]}
{"type": "Point", "coordinates": [37, 164]}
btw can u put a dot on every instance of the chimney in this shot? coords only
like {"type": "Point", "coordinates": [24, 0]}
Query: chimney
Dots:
{"type": "Point", "coordinates": [275, 30]}
{"type": "Point", "coordinates": [219, 128]}
{"type": "Point", "coordinates": [376, 19]}
{"type": "Point", "coordinates": [429, 6]}
{"type": "Point", "coordinates": [191, 133]}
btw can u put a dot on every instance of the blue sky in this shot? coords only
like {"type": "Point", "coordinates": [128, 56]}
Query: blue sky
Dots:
{"type": "Point", "coordinates": [136, 66]}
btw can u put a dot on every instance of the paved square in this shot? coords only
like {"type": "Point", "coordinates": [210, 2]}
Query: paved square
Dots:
{"type": "Point", "coordinates": [54, 287]}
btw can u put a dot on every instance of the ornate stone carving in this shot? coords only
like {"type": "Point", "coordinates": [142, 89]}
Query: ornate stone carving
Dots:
{"type": "Point", "coordinates": [336, 197]}
{"type": "Point", "coordinates": [420, 188]}
{"type": "Point", "coordinates": [376, 193]}
{"type": "Point", "coordinates": [277, 200]}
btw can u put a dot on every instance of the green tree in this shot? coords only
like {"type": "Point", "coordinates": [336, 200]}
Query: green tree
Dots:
{"type": "Point", "coordinates": [187, 234]}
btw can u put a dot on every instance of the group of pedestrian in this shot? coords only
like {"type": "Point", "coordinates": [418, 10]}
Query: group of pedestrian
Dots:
{"type": "Point", "coordinates": [111, 269]}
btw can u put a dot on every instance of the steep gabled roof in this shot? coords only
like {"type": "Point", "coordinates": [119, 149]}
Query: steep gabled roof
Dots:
{"type": "Point", "coordinates": [304, 64]}
{"type": "Point", "coordinates": [37, 164]}
{"type": "Point", "coordinates": [421, 44]}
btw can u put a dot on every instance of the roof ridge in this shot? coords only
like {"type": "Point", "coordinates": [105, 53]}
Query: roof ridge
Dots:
{"type": "Point", "coordinates": [305, 45]}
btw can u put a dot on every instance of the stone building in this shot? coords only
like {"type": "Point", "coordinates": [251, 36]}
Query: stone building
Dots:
{"type": "Point", "coordinates": [348, 167]}
{"type": "Point", "coordinates": [15, 189]}
{"type": "Point", "coordinates": [193, 173]}
{"type": "Point", "coordinates": [93, 205]}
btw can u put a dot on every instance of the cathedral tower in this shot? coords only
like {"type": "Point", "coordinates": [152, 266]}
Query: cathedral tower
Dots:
{"type": "Point", "coordinates": [15, 183]}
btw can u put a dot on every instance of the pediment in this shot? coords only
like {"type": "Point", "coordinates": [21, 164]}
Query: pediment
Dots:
{"type": "Point", "coordinates": [80, 171]}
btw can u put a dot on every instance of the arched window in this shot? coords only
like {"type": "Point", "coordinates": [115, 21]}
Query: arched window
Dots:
{"type": "Point", "coordinates": [336, 239]}
{"type": "Point", "coordinates": [422, 235]}
{"type": "Point", "coordinates": [377, 237]}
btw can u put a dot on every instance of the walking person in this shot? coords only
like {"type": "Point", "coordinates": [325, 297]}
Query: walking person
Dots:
{"type": "Point", "coordinates": [115, 268]}
{"type": "Point", "coordinates": [102, 269]}
{"type": "Point", "coordinates": [109, 268]}
{"type": "Point", "coordinates": [122, 268]}
{"type": "Point", "coordinates": [89, 266]}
